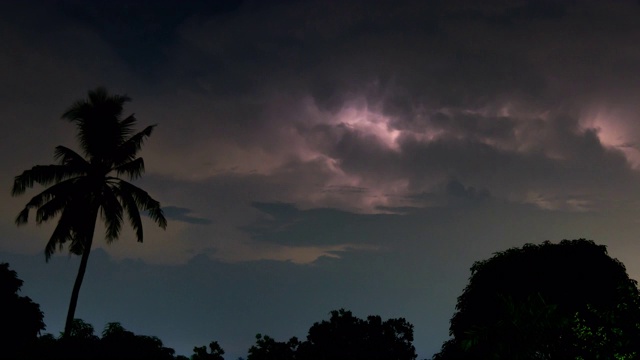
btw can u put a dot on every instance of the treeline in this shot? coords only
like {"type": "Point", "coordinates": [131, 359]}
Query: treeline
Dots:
{"type": "Point", "coordinates": [82, 343]}
{"type": "Point", "coordinates": [547, 301]}
{"type": "Point", "coordinates": [343, 336]}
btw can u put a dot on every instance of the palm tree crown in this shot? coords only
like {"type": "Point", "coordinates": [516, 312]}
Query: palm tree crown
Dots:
{"type": "Point", "coordinates": [83, 187]}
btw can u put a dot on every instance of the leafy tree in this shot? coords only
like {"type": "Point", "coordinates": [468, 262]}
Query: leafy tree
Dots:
{"type": "Point", "coordinates": [344, 336]}
{"type": "Point", "coordinates": [119, 343]}
{"type": "Point", "coordinates": [200, 353]}
{"type": "Point", "coordinates": [131, 346]}
{"type": "Point", "coordinates": [79, 343]}
{"type": "Point", "coordinates": [266, 348]}
{"type": "Point", "coordinates": [84, 188]}
{"type": "Point", "coordinates": [22, 319]}
{"type": "Point", "coordinates": [549, 301]}
{"type": "Point", "coordinates": [82, 330]}
{"type": "Point", "coordinates": [116, 343]}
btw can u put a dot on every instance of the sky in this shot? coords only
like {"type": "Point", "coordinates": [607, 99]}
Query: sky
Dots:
{"type": "Point", "coordinates": [317, 155]}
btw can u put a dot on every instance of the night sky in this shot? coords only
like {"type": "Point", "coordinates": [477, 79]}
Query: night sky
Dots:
{"type": "Point", "coordinates": [317, 155]}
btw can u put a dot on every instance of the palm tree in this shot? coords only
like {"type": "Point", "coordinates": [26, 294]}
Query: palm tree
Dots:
{"type": "Point", "coordinates": [85, 187]}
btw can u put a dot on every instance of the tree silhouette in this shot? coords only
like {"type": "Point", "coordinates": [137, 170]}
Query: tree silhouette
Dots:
{"type": "Point", "coordinates": [79, 343]}
{"type": "Point", "coordinates": [200, 353]}
{"type": "Point", "coordinates": [344, 336]}
{"type": "Point", "coordinates": [116, 343]}
{"type": "Point", "coordinates": [85, 187]}
{"type": "Point", "coordinates": [82, 330]}
{"type": "Point", "coordinates": [549, 301]}
{"type": "Point", "coordinates": [21, 317]}
{"type": "Point", "coordinates": [267, 348]}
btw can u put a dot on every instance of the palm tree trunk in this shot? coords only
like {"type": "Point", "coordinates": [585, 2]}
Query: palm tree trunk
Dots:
{"type": "Point", "coordinates": [81, 270]}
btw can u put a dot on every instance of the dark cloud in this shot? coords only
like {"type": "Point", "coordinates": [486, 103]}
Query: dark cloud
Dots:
{"type": "Point", "coordinates": [182, 214]}
{"type": "Point", "coordinates": [518, 11]}
{"type": "Point", "coordinates": [355, 107]}
{"type": "Point", "coordinates": [288, 225]}
{"type": "Point", "coordinates": [141, 31]}
{"type": "Point", "coordinates": [458, 190]}
{"type": "Point", "coordinates": [495, 99]}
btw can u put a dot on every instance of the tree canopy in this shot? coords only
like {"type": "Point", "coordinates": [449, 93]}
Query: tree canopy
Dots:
{"type": "Point", "coordinates": [343, 336]}
{"type": "Point", "coordinates": [22, 319]}
{"type": "Point", "coordinates": [116, 343]}
{"type": "Point", "coordinates": [569, 300]}
{"type": "Point", "coordinates": [215, 353]}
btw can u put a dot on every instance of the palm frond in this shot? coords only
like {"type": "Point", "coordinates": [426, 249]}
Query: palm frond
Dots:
{"type": "Point", "coordinates": [23, 217]}
{"type": "Point", "coordinates": [60, 191]}
{"type": "Point", "coordinates": [83, 212]}
{"type": "Point", "coordinates": [126, 126]}
{"type": "Point", "coordinates": [144, 202]}
{"type": "Point", "coordinates": [52, 208]}
{"type": "Point", "coordinates": [61, 234]}
{"type": "Point", "coordinates": [97, 122]}
{"type": "Point", "coordinates": [111, 213]}
{"type": "Point", "coordinates": [99, 137]}
{"type": "Point", "coordinates": [43, 175]}
{"type": "Point", "coordinates": [77, 111]}
{"type": "Point", "coordinates": [130, 206]}
{"type": "Point", "coordinates": [70, 158]}
{"type": "Point", "coordinates": [55, 243]}
{"type": "Point", "coordinates": [128, 149]}
{"type": "Point", "coordinates": [79, 243]}
{"type": "Point", "coordinates": [156, 214]}
{"type": "Point", "coordinates": [97, 96]}
{"type": "Point", "coordinates": [132, 169]}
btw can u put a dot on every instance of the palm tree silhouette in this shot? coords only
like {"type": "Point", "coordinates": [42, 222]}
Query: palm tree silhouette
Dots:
{"type": "Point", "coordinates": [83, 187]}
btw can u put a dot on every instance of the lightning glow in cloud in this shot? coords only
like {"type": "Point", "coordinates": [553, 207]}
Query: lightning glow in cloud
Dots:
{"type": "Point", "coordinates": [368, 122]}
{"type": "Point", "coordinates": [614, 133]}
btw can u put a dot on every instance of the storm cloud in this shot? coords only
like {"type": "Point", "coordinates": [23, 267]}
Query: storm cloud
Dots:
{"type": "Point", "coordinates": [356, 148]}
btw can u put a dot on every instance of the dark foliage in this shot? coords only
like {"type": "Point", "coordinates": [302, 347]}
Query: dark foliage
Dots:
{"type": "Point", "coordinates": [549, 301]}
{"type": "Point", "coordinates": [22, 319]}
{"type": "Point", "coordinates": [266, 348]}
{"type": "Point", "coordinates": [344, 336]}
{"type": "Point", "coordinates": [116, 343]}
{"type": "Point", "coordinates": [200, 353]}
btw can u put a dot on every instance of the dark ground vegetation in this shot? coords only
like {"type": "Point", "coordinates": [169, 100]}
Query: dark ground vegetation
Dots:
{"type": "Point", "coordinates": [569, 300]}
